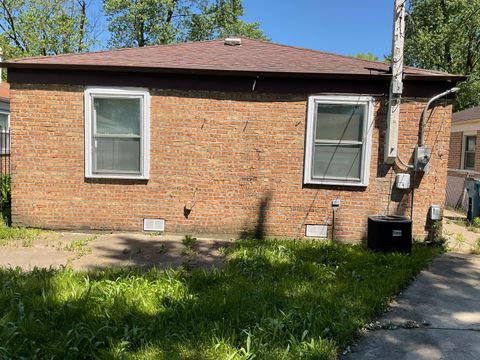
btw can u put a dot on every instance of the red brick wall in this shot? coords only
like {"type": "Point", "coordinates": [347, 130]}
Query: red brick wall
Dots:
{"type": "Point", "coordinates": [237, 158]}
{"type": "Point", "coordinates": [455, 156]}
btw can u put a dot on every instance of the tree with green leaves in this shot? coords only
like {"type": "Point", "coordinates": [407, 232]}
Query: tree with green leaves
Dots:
{"type": "Point", "coordinates": [367, 56]}
{"type": "Point", "coordinates": [222, 18]}
{"type": "Point", "coordinates": [148, 22]}
{"type": "Point", "coordinates": [44, 27]}
{"type": "Point", "coordinates": [445, 35]}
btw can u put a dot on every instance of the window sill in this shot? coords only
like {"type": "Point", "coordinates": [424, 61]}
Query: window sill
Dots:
{"type": "Point", "coordinates": [116, 177]}
{"type": "Point", "coordinates": [335, 183]}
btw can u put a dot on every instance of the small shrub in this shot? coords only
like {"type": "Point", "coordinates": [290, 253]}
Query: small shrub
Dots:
{"type": "Point", "coordinates": [190, 244]}
{"type": "Point", "coordinates": [162, 249]}
{"type": "Point", "coordinates": [476, 222]}
{"type": "Point", "coordinates": [436, 234]}
{"type": "Point", "coordinates": [460, 239]}
{"type": "Point", "coordinates": [5, 199]}
{"type": "Point", "coordinates": [476, 247]}
{"type": "Point", "coordinates": [80, 246]}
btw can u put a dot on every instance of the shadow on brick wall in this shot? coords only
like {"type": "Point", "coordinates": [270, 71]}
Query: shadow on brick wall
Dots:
{"type": "Point", "coordinates": [258, 231]}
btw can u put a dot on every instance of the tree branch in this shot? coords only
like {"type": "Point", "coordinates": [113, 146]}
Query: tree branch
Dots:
{"type": "Point", "coordinates": [13, 33]}
{"type": "Point", "coordinates": [171, 11]}
{"type": "Point", "coordinates": [83, 20]}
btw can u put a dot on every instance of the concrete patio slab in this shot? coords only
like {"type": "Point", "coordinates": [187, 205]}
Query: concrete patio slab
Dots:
{"type": "Point", "coordinates": [437, 317]}
{"type": "Point", "coordinates": [29, 258]}
{"type": "Point", "coordinates": [87, 251]}
{"type": "Point", "coordinates": [146, 251]}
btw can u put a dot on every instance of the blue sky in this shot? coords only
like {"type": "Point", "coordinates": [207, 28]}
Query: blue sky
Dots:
{"type": "Point", "coordinates": [339, 26]}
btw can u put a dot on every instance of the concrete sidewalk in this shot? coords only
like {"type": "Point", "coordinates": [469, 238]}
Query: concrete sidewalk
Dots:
{"type": "Point", "coordinates": [437, 317]}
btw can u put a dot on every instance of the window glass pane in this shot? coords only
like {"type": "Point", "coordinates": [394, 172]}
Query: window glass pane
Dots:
{"type": "Point", "coordinates": [117, 116]}
{"type": "Point", "coordinates": [471, 140]}
{"type": "Point", "coordinates": [340, 162]}
{"type": "Point", "coordinates": [117, 155]}
{"type": "Point", "coordinates": [339, 122]}
{"type": "Point", "coordinates": [5, 141]}
{"type": "Point", "coordinates": [469, 160]}
{"type": "Point", "coordinates": [4, 121]}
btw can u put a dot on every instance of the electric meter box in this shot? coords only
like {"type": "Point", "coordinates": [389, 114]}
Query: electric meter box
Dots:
{"type": "Point", "coordinates": [422, 158]}
{"type": "Point", "coordinates": [435, 212]}
{"type": "Point", "coordinates": [403, 181]}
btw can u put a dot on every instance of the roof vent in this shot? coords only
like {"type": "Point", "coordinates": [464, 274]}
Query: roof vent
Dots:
{"type": "Point", "coordinates": [233, 41]}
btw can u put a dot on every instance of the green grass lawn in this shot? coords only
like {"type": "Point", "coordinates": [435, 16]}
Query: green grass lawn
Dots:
{"type": "Point", "coordinates": [273, 300]}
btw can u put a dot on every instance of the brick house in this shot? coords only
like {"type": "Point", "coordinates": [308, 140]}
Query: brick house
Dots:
{"type": "Point", "coordinates": [464, 159]}
{"type": "Point", "coordinates": [217, 138]}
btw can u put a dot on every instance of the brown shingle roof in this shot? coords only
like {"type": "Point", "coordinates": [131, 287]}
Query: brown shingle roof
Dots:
{"type": "Point", "coordinates": [468, 114]}
{"type": "Point", "coordinates": [252, 56]}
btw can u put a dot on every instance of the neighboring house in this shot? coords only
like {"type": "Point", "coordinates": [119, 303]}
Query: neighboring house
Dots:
{"type": "Point", "coordinates": [464, 156]}
{"type": "Point", "coordinates": [217, 138]}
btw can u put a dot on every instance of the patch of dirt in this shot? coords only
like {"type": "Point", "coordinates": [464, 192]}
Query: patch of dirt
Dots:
{"type": "Point", "coordinates": [85, 251]}
{"type": "Point", "coordinates": [146, 251]}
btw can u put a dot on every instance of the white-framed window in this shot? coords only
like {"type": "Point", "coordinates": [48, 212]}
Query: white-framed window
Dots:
{"type": "Point", "coordinates": [117, 133]}
{"type": "Point", "coordinates": [338, 140]}
{"type": "Point", "coordinates": [469, 145]}
{"type": "Point", "coordinates": [5, 132]}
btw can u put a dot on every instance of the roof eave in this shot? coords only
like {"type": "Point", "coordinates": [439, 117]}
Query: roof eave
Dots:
{"type": "Point", "coordinates": [242, 73]}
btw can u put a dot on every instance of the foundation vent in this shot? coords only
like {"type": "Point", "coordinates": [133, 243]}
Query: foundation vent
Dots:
{"type": "Point", "coordinates": [317, 231]}
{"type": "Point", "coordinates": [153, 225]}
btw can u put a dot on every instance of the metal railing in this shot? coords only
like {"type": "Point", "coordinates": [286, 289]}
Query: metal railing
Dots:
{"type": "Point", "coordinates": [4, 152]}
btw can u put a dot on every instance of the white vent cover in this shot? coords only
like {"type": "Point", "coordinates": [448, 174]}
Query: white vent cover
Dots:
{"type": "Point", "coordinates": [233, 41]}
{"type": "Point", "coordinates": [318, 231]}
{"type": "Point", "coordinates": [153, 225]}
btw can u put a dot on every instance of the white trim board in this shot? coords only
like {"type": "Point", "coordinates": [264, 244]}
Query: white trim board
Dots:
{"type": "Point", "coordinates": [471, 126]}
{"type": "Point", "coordinates": [123, 92]}
{"type": "Point", "coordinates": [368, 101]}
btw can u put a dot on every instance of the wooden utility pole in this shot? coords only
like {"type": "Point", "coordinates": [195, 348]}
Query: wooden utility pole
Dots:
{"type": "Point", "coordinates": [396, 84]}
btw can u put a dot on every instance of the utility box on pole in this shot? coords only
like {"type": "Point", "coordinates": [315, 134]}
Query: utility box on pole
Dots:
{"type": "Point", "coordinates": [396, 84]}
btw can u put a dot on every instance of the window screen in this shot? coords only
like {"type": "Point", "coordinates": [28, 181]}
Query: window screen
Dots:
{"type": "Point", "coordinates": [116, 135]}
{"type": "Point", "coordinates": [469, 156]}
{"type": "Point", "coordinates": [338, 141]}
{"type": "Point", "coordinates": [4, 124]}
